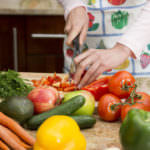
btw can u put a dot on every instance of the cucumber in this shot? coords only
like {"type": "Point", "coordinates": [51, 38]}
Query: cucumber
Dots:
{"type": "Point", "coordinates": [84, 121]}
{"type": "Point", "coordinates": [67, 108]}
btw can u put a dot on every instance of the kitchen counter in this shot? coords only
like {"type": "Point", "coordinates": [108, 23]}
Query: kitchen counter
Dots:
{"type": "Point", "coordinates": [30, 7]}
{"type": "Point", "coordinates": [103, 134]}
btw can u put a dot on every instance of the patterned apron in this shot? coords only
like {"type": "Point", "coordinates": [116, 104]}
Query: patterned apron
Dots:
{"type": "Point", "coordinates": [108, 20]}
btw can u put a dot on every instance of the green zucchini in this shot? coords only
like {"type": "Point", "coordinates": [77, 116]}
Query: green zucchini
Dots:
{"type": "Point", "coordinates": [67, 108]}
{"type": "Point", "coordinates": [84, 121]}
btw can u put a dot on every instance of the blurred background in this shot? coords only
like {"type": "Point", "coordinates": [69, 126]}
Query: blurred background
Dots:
{"type": "Point", "coordinates": [31, 35]}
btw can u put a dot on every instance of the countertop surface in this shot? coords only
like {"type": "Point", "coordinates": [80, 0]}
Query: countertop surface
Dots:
{"type": "Point", "coordinates": [104, 134]}
{"type": "Point", "coordinates": [30, 7]}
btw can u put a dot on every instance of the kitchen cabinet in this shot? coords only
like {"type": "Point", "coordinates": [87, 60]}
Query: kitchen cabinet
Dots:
{"type": "Point", "coordinates": [31, 43]}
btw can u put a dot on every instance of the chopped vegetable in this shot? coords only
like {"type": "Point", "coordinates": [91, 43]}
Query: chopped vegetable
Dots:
{"type": "Point", "coordinates": [98, 88]}
{"type": "Point", "coordinates": [56, 82]}
{"type": "Point", "coordinates": [12, 85]}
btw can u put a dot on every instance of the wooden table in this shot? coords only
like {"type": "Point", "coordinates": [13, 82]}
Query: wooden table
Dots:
{"type": "Point", "coordinates": [103, 134]}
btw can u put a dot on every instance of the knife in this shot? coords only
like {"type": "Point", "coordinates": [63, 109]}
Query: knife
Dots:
{"type": "Point", "coordinates": [76, 52]}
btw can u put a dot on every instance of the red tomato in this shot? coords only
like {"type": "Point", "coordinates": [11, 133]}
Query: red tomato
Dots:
{"type": "Point", "coordinates": [98, 88]}
{"type": "Point", "coordinates": [104, 107]}
{"type": "Point", "coordinates": [145, 99]}
{"type": "Point", "coordinates": [119, 80]}
{"type": "Point", "coordinates": [127, 107]}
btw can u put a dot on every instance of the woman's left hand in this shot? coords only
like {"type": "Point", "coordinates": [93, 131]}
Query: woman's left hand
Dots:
{"type": "Point", "coordinates": [97, 62]}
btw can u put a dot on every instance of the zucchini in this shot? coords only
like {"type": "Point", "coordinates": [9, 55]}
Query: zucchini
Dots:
{"type": "Point", "coordinates": [67, 108]}
{"type": "Point", "coordinates": [84, 121]}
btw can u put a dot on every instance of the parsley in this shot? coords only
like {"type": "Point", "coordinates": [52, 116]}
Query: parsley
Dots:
{"type": "Point", "coordinates": [12, 85]}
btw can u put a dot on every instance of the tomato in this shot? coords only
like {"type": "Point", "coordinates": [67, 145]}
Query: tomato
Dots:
{"type": "Point", "coordinates": [98, 88]}
{"type": "Point", "coordinates": [145, 99]}
{"type": "Point", "coordinates": [118, 81]}
{"type": "Point", "coordinates": [127, 107]}
{"type": "Point", "coordinates": [104, 107]}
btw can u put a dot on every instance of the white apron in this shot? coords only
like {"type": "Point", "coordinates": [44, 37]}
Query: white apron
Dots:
{"type": "Point", "coordinates": [108, 20]}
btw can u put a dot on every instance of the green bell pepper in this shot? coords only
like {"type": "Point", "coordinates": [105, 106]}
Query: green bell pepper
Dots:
{"type": "Point", "coordinates": [119, 19]}
{"type": "Point", "coordinates": [135, 130]}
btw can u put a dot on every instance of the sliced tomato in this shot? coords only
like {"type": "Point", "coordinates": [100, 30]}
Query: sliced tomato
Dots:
{"type": "Point", "coordinates": [99, 87]}
{"type": "Point", "coordinates": [57, 78]}
{"type": "Point", "coordinates": [50, 79]}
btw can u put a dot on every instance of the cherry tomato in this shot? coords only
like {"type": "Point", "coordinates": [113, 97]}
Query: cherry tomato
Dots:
{"type": "Point", "coordinates": [127, 107]}
{"type": "Point", "coordinates": [145, 99]}
{"type": "Point", "coordinates": [105, 107]}
{"type": "Point", "coordinates": [118, 81]}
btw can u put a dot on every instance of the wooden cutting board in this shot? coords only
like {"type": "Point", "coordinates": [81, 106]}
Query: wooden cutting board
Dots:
{"type": "Point", "coordinates": [104, 134]}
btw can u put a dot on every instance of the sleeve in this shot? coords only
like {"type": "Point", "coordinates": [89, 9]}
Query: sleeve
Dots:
{"type": "Point", "coordinates": [71, 4]}
{"type": "Point", "coordinates": [139, 34]}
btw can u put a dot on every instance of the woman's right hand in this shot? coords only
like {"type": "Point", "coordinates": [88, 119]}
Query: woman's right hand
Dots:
{"type": "Point", "coordinates": [77, 23]}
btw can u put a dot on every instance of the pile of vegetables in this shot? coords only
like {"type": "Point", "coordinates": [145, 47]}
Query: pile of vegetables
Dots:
{"type": "Point", "coordinates": [39, 106]}
{"type": "Point", "coordinates": [56, 82]}
{"type": "Point", "coordinates": [119, 96]}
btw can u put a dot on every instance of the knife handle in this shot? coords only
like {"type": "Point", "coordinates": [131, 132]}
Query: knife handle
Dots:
{"type": "Point", "coordinates": [76, 44]}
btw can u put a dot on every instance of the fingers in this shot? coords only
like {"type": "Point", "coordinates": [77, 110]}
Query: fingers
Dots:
{"type": "Point", "coordinates": [67, 28]}
{"type": "Point", "coordinates": [89, 74]}
{"type": "Point", "coordinates": [72, 34]}
{"type": "Point", "coordinates": [93, 77]}
{"type": "Point", "coordinates": [99, 71]}
{"type": "Point", "coordinates": [83, 35]}
{"type": "Point", "coordinates": [82, 67]}
{"type": "Point", "coordinates": [82, 56]}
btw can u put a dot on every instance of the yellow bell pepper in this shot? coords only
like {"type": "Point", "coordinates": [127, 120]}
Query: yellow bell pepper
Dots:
{"type": "Point", "coordinates": [60, 133]}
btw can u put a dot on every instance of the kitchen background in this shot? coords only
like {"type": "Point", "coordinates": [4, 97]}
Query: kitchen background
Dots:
{"type": "Point", "coordinates": [31, 35]}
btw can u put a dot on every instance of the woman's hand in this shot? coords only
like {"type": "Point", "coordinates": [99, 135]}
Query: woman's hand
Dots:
{"type": "Point", "coordinates": [98, 61]}
{"type": "Point", "coordinates": [77, 22]}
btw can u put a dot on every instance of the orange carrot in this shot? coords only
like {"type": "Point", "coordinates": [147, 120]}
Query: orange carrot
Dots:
{"type": "Point", "coordinates": [71, 88]}
{"type": "Point", "coordinates": [3, 146]}
{"type": "Point", "coordinates": [16, 128]}
{"type": "Point", "coordinates": [9, 140]}
{"type": "Point", "coordinates": [16, 138]}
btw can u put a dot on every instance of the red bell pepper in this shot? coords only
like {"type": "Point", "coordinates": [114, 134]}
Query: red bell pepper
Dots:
{"type": "Point", "coordinates": [99, 87]}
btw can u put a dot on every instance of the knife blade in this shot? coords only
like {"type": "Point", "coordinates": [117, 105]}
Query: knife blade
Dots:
{"type": "Point", "coordinates": [76, 52]}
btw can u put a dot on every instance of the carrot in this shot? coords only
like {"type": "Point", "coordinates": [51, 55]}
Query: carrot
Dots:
{"type": "Point", "coordinates": [9, 140]}
{"type": "Point", "coordinates": [71, 88]}
{"type": "Point", "coordinates": [16, 128]}
{"type": "Point", "coordinates": [16, 138]}
{"type": "Point", "coordinates": [3, 146]}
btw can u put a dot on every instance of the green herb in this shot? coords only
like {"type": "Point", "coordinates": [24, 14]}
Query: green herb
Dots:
{"type": "Point", "coordinates": [12, 85]}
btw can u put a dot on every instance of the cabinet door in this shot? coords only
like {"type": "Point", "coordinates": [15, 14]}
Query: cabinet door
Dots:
{"type": "Point", "coordinates": [44, 54]}
{"type": "Point", "coordinates": [12, 54]}
{"type": "Point", "coordinates": [6, 44]}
